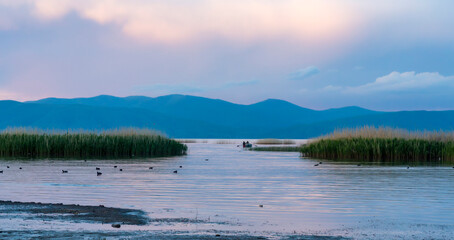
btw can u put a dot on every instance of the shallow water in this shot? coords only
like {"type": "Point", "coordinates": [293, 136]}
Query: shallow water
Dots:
{"type": "Point", "coordinates": [225, 192]}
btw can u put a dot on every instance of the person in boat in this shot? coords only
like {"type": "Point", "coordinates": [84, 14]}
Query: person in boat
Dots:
{"type": "Point", "coordinates": [244, 144]}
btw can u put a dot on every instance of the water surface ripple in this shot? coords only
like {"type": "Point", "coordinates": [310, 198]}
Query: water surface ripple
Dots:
{"type": "Point", "coordinates": [332, 198]}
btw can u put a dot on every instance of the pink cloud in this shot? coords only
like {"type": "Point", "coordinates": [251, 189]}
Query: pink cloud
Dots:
{"type": "Point", "coordinates": [236, 20]}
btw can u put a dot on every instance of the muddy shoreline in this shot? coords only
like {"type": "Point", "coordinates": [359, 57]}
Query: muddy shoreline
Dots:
{"type": "Point", "coordinates": [150, 235]}
{"type": "Point", "coordinates": [74, 213]}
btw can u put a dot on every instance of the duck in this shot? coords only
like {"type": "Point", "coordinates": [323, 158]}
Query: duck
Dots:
{"type": "Point", "coordinates": [1, 171]}
{"type": "Point", "coordinates": [181, 166]}
{"type": "Point", "coordinates": [98, 168]}
{"type": "Point", "coordinates": [175, 171]}
{"type": "Point", "coordinates": [64, 171]}
{"type": "Point", "coordinates": [150, 168]}
{"type": "Point", "coordinates": [316, 165]}
{"type": "Point", "coordinates": [98, 173]}
{"type": "Point", "coordinates": [115, 166]}
{"type": "Point", "coordinates": [7, 166]}
{"type": "Point", "coordinates": [121, 169]}
{"type": "Point", "coordinates": [359, 165]}
{"type": "Point", "coordinates": [20, 168]}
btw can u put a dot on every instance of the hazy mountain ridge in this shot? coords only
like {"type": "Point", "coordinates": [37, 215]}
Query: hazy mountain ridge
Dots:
{"type": "Point", "coordinates": [268, 113]}
{"type": "Point", "coordinates": [196, 117]}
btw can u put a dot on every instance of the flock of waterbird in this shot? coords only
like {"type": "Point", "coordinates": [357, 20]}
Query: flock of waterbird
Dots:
{"type": "Point", "coordinates": [98, 169]}
{"type": "Point", "coordinates": [98, 173]}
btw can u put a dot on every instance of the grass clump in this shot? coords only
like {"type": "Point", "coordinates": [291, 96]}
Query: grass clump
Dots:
{"type": "Point", "coordinates": [273, 141]}
{"type": "Point", "coordinates": [383, 145]}
{"type": "Point", "coordinates": [122, 143]}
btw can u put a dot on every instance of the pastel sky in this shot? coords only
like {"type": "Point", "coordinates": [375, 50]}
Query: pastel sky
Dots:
{"type": "Point", "coordinates": [383, 55]}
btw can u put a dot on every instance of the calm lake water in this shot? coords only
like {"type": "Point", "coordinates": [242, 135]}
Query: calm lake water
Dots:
{"type": "Point", "coordinates": [225, 191]}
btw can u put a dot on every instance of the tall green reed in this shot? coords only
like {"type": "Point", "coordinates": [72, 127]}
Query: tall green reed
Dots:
{"type": "Point", "coordinates": [383, 145]}
{"type": "Point", "coordinates": [120, 143]}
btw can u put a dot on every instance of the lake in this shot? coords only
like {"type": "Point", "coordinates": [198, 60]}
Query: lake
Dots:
{"type": "Point", "coordinates": [221, 187]}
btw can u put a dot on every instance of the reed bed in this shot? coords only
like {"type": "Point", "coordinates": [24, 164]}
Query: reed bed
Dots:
{"type": "Point", "coordinates": [383, 145]}
{"type": "Point", "coordinates": [122, 143]}
{"type": "Point", "coordinates": [273, 141]}
{"type": "Point", "coordinates": [277, 149]}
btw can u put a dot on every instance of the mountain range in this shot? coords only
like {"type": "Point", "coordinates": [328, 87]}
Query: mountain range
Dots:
{"type": "Point", "coordinates": [184, 116]}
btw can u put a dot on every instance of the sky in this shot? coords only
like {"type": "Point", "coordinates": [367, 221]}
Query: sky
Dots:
{"type": "Point", "coordinates": [382, 55]}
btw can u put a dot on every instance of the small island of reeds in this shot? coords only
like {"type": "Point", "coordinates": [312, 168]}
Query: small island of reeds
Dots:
{"type": "Point", "coordinates": [383, 145]}
{"type": "Point", "coordinates": [121, 143]}
{"type": "Point", "coordinates": [277, 149]}
{"type": "Point", "coordinates": [273, 141]}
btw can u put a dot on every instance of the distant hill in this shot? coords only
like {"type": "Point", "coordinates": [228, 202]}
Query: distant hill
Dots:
{"type": "Point", "coordinates": [269, 113]}
{"type": "Point", "coordinates": [185, 116]}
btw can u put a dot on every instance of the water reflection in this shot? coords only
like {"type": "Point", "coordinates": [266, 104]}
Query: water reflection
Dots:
{"type": "Point", "coordinates": [230, 186]}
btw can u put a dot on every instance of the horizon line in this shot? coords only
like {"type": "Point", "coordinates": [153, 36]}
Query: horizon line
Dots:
{"type": "Point", "coordinates": [268, 99]}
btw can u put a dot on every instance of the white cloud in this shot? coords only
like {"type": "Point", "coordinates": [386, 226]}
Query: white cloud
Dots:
{"type": "Point", "coordinates": [407, 81]}
{"type": "Point", "coordinates": [304, 73]}
{"type": "Point", "coordinates": [399, 83]}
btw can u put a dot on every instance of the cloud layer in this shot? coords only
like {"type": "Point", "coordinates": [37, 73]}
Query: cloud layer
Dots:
{"type": "Point", "coordinates": [378, 54]}
{"type": "Point", "coordinates": [175, 21]}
